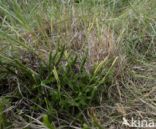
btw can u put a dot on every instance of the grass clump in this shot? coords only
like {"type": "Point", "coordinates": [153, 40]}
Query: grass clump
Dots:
{"type": "Point", "coordinates": [61, 86]}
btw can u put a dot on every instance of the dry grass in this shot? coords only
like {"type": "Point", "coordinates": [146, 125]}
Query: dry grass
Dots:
{"type": "Point", "coordinates": [118, 39]}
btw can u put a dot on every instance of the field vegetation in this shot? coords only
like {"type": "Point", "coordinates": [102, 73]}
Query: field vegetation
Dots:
{"type": "Point", "coordinates": [76, 64]}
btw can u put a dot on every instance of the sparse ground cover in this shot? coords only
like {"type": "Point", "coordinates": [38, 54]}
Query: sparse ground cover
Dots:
{"type": "Point", "coordinates": [83, 64]}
